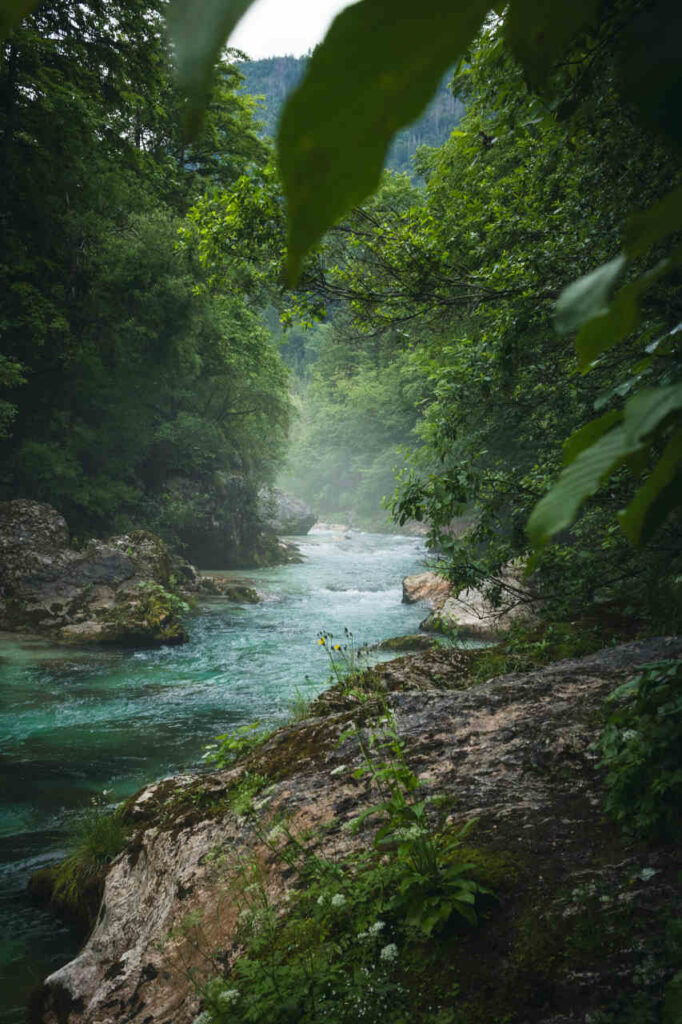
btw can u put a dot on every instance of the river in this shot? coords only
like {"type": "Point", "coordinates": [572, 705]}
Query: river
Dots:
{"type": "Point", "coordinates": [74, 724]}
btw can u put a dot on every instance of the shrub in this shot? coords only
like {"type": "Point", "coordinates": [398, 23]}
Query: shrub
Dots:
{"type": "Point", "coordinates": [641, 749]}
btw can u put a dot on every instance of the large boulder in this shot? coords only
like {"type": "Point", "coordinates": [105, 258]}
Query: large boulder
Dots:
{"type": "Point", "coordinates": [284, 514]}
{"type": "Point", "coordinates": [426, 586]}
{"type": "Point", "coordinates": [469, 614]}
{"type": "Point", "coordinates": [111, 592]}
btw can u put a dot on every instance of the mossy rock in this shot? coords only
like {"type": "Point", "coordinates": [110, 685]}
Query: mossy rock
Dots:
{"type": "Point", "coordinates": [72, 892]}
{"type": "Point", "coordinates": [409, 642]}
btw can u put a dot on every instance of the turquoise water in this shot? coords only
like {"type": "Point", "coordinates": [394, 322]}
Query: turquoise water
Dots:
{"type": "Point", "coordinates": [75, 723]}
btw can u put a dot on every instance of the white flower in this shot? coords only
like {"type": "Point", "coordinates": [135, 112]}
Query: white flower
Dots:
{"type": "Point", "coordinates": [389, 952]}
{"type": "Point", "coordinates": [229, 996]}
{"type": "Point", "coordinates": [322, 899]}
{"type": "Point", "coordinates": [338, 900]}
{"type": "Point", "coordinates": [375, 928]}
{"type": "Point", "coordinates": [203, 1018]}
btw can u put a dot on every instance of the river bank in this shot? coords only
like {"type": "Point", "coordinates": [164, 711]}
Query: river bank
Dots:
{"type": "Point", "coordinates": [574, 922]}
{"type": "Point", "coordinates": [78, 722]}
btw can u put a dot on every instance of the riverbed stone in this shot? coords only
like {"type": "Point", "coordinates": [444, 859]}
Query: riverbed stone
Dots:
{"type": "Point", "coordinates": [285, 514]}
{"type": "Point", "coordinates": [428, 587]}
{"type": "Point", "coordinates": [111, 592]}
{"type": "Point", "coordinates": [470, 614]}
{"type": "Point", "coordinates": [515, 753]}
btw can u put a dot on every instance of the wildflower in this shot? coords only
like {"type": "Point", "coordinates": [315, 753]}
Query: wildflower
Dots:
{"type": "Point", "coordinates": [389, 952]}
{"type": "Point", "coordinates": [229, 996]}
{"type": "Point", "coordinates": [337, 647]}
{"type": "Point", "coordinates": [338, 900]}
{"type": "Point", "coordinates": [321, 641]}
{"type": "Point", "coordinates": [322, 899]}
{"type": "Point", "coordinates": [375, 928]}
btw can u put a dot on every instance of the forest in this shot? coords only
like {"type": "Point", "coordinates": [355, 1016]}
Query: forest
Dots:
{"type": "Point", "coordinates": [425, 280]}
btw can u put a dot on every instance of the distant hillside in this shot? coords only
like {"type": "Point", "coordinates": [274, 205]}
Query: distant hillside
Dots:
{"type": "Point", "coordinates": [274, 77]}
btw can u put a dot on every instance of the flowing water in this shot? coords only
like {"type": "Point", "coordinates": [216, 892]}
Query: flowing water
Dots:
{"type": "Point", "coordinates": [74, 724]}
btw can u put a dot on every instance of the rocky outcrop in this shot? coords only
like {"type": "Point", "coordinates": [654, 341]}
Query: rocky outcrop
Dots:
{"type": "Point", "coordinates": [515, 753]}
{"type": "Point", "coordinates": [284, 514]}
{"type": "Point", "coordinates": [426, 586]}
{"type": "Point", "coordinates": [111, 592]}
{"type": "Point", "coordinates": [470, 614]}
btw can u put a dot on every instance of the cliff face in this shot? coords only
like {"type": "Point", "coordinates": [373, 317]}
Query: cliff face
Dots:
{"type": "Point", "coordinates": [515, 753]}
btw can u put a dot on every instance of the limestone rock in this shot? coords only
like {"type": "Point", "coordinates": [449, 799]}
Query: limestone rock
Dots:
{"type": "Point", "coordinates": [515, 753]}
{"type": "Point", "coordinates": [110, 592]}
{"type": "Point", "coordinates": [470, 614]}
{"type": "Point", "coordinates": [426, 586]}
{"type": "Point", "coordinates": [284, 514]}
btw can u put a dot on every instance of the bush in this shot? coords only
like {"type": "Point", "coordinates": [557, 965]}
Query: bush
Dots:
{"type": "Point", "coordinates": [641, 749]}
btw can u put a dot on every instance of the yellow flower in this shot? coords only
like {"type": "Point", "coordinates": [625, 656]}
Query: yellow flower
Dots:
{"type": "Point", "coordinates": [321, 641]}
{"type": "Point", "coordinates": [337, 647]}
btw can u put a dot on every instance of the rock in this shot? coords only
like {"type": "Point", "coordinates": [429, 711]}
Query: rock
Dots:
{"type": "Point", "coordinates": [515, 753]}
{"type": "Point", "coordinates": [284, 514]}
{"type": "Point", "coordinates": [426, 586]}
{"type": "Point", "coordinates": [470, 614]}
{"type": "Point", "coordinates": [220, 527]}
{"type": "Point", "coordinates": [112, 592]}
{"type": "Point", "coordinates": [411, 642]}
{"type": "Point", "coordinates": [232, 590]}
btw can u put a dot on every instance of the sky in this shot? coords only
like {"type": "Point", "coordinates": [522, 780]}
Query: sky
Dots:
{"type": "Point", "coordinates": [272, 28]}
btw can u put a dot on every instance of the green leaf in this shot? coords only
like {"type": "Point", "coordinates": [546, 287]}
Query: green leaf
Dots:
{"type": "Point", "coordinates": [588, 434]}
{"type": "Point", "coordinates": [578, 481]}
{"type": "Point", "coordinates": [656, 498]}
{"type": "Point", "coordinates": [373, 74]}
{"type": "Point", "coordinates": [591, 466]}
{"type": "Point", "coordinates": [198, 30]}
{"type": "Point", "coordinates": [12, 12]}
{"type": "Point", "coordinates": [648, 409]}
{"type": "Point", "coordinates": [603, 332]}
{"type": "Point", "coordinates": [650, 69]}
{"type": "Point", "coordinates": [588, 296]}
{"type": "Point", "coordinates": [653, 225]}
{"type": "Point", "coordinates": [540, 31]}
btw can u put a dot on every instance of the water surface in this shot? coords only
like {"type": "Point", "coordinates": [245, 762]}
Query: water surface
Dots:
{"type": "Point", "coordinates": [76, 723]}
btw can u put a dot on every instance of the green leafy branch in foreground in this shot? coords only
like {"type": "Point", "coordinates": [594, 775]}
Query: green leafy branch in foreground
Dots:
{"type": "Point", "coordinates": [651, 420]}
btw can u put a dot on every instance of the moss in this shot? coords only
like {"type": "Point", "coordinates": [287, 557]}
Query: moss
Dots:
{"type": "Point", "coordinates": [411, 642]}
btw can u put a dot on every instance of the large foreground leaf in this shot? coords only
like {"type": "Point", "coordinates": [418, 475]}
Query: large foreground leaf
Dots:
{"type": "Point", "coordinates": [539, 32]}
{"type": "Point", "coordinates": [11, 13]}
{"type": "Point", "coordinates": [579, 481]}
{"type": "Point", "coordinates": [589, 296]}
{"type": "Point", "coordinates": [659, 494]}
{"type": "Point", "coordinates": [198, 30]}
{"type": "Point", "coordinates": [374, 73]}
{"type": "Point", "coordinates": [644, 414]}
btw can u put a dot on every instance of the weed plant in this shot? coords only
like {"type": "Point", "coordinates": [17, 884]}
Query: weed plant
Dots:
{"type": "Point", "coordinates": [231, 746]}
{"type": "Point", "coordinates": [98, 836]}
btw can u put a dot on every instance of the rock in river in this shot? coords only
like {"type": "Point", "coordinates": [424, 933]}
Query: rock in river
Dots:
{"type": "Point", "coordinates": [286, 515]}
{"type": "Point", "coordinates": [111, 592]}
